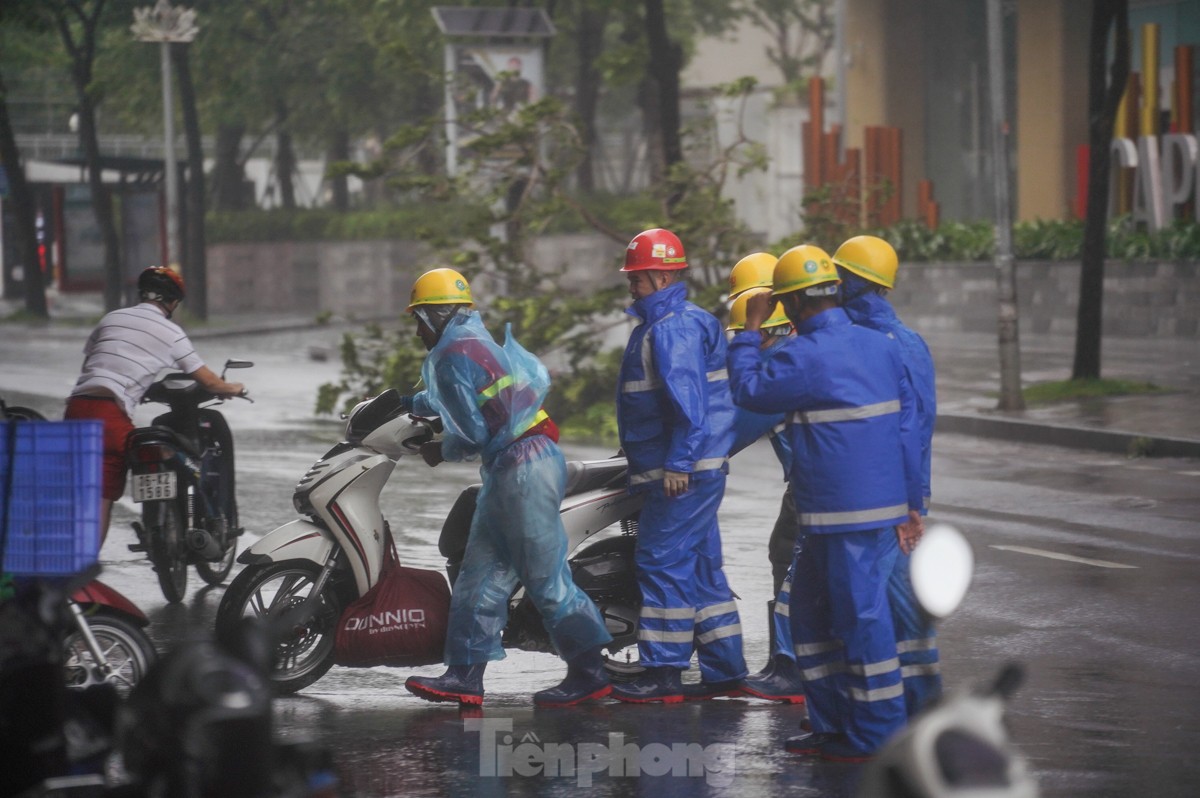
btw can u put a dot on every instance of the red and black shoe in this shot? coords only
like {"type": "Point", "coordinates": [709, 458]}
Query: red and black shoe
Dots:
{"type": "Point", "coordinates": [779, 681]}
{"type": "Point", "coordinates": [706, 691]}
{"type": "Point", "coordinates": [652, 686]}
{"type": "Point", "coordinates": [461, 683]}
{"type": "Point", "coordinates": [840, 749]}
{"type": "Point", "coordinates": [586, 680]}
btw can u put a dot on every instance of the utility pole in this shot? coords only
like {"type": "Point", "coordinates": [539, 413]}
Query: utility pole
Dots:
{"type": "Point", "coordinates": [1006, 278]}
{"type": "Point", "coordinates": [164, 24]}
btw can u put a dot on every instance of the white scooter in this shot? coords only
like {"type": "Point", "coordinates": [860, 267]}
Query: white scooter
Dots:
{"type": "Point", "coordinates": [958, 747]}
{"type": "Point", "coordinates": [303, 575]}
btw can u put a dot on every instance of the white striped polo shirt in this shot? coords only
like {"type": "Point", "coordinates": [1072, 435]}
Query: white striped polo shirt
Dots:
{"type": "Point", "coordinates": [127, 350]}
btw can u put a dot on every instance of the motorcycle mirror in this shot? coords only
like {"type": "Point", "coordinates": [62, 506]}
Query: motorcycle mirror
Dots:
{"type": "Point", "coordinates": [233, 363]}
{"type": "Point", "coordinates": [940, 568]}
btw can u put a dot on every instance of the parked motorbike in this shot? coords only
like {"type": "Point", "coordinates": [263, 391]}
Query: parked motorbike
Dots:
{"type": "Point", "coordinates": [106, 643]}
{"type": "Point", "coordinates": [958, 747]}
{"type": "Point", "coordinates": [17, 413]}
{"type": "Point", "coordinates": [303, 575]}
{"type": "Point", "coordinates": [182, 473]}
{"type": "Point", "coordinates": [199, 725]}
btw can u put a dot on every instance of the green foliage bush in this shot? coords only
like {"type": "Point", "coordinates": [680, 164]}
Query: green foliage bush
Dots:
{"type": "Point", "coordinates": [319, 224]}
{"type": "Point", "coordinates": [952, 242]}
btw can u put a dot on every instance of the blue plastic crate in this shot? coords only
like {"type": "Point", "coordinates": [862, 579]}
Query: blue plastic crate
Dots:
{"type": "Point", "coordinates": [53, 508]}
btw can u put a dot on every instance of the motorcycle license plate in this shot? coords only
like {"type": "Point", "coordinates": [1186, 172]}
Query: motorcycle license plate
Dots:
{"type": "Point", "coordinates": [149, 487]}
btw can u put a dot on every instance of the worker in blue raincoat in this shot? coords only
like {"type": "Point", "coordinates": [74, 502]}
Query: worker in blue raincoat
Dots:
{"type": "Point", "coordinates": [856, 479]}
{"type": "Point", "coordinates": [490, 401]}
{"type": "Point", "coordinates": [780, 679]}
{"type": "Point", "coordinates": [674, 417]}
{"type": "Point", "coordinates": [868, 266]}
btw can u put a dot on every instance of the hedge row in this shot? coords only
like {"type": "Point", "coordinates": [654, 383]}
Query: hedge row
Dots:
{"type": "Point", "coordinates": [952, 241]}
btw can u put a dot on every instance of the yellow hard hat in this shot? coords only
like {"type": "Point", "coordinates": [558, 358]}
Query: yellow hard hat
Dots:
{"type": "Point", "coordinates": [751, 271]}
{"type": "Point", "coordinates": [869, 257]}
{"type": "Point", "coordinates": [801, 268]}
{"type": "Point", "coordinates": [737, 313]}
{"type": "Point", "coordinates": [440, 287]}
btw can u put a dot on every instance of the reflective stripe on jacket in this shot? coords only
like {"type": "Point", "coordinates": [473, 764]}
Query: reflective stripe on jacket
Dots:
{"type": "Point", "coordinates": [851, 420]}
{"type": "Point", "coordinates": [674, 411]}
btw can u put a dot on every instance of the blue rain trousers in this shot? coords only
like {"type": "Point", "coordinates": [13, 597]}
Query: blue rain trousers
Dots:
{"type": "Point", "coordinates": [748, 427]}
{"type": "Point", "coordinates": [916, 637]}
{"type": "Point", "coordinates": [517, 535]}
{"type": "Point", "coordinates": [686, 603]}
{"type": "Point", "coordinates": [844, 638]}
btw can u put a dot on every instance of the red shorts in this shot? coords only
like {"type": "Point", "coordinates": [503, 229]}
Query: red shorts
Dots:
{"type": "Point", "coordinates": [117, 427]}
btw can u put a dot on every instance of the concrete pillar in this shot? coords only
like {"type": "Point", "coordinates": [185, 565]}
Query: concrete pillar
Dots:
{"type": "Point", "coordinates": [1051, 114]}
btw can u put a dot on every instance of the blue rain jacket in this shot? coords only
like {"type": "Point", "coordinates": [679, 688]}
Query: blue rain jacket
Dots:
{"type": "Point", "coordinates": [851, 420]}
{"type": "Point", "coordinates": [674, 411]}
{"type": "Point", "coordinates": [749, 426]}
{"type": "Point", "coordinates": [487, 395]}
{"type": "Point", "coordinates": [874, 311]}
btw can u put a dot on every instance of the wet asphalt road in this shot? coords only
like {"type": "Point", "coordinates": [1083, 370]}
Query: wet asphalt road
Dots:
{"type": "Point", "coordinates": [1086, 575]}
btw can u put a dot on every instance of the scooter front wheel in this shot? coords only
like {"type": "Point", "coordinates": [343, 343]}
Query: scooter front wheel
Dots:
{"type": "Point", "coordinates": [303, 646]}
{"type": "Point", "coordinates": [126, 648]}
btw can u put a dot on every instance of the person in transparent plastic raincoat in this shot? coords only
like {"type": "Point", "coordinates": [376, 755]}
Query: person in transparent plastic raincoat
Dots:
{"type": "Point", "coordinates": [489, 398]}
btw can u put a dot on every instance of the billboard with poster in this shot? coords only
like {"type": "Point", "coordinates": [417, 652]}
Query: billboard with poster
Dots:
{"type": "Point", "coordinates": [494, 61]}
{"type": "Point", "coordinates": [485, 77]}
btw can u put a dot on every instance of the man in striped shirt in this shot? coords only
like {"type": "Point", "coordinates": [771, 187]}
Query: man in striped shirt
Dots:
{"type": "Point", "coordinates": [122, 357]}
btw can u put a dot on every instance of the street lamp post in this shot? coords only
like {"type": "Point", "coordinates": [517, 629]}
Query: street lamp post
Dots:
{"type": "Point", "coordinates": [165, 24]}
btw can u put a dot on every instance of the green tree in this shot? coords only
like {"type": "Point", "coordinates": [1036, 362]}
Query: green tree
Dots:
{"type": "Point", "coordinates": [21, 42]}
{"type": "Point", "coordinates": [512, 186]}
{"type": "Point", "coordinates": [802, 33]}
{"type": "Point", "coordinates": [79, 26]}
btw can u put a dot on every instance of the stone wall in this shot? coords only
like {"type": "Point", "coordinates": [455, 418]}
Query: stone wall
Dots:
{"type": "Point", "coordinates": [358, 279]}
{"type": "Point", "coordinates": [1157, 299]}
{"type": "Point", "coordinates": [1142, 299]}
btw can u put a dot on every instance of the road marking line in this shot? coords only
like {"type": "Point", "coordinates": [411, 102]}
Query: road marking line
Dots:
{"type": "Point", "coordinates": [1053, 555]}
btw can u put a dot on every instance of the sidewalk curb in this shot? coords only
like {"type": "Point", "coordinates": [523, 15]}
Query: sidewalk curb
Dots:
{"type": "Point", "coordinates": [1113, 441]}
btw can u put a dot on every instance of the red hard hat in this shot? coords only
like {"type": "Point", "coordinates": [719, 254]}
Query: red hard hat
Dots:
{"type": "Point", "coordinates": [654, 249]}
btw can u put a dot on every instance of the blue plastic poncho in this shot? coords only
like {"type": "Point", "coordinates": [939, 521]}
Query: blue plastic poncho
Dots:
{"type": "Point", "coordinates": [488, 397]}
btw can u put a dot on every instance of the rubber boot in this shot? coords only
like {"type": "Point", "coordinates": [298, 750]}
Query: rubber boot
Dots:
{"type": "Point", "coordinates": [782, 682]}
{"type": "Point", "coordinates": [769, 668]}
{"type": "Point", "coordinates": [705, 691]}
{"type": "Point", "coordinates": [461, 683]}
{"type": "Point", "coordinates": [652, 686]}
{"type": "Point", "coordinates": [808, 743]}
{"type": "Point", "coordinates": [586, 679]}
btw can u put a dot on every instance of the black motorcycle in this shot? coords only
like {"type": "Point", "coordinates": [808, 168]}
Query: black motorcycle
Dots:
{"type": "Point", "coordinates": [182, 473]}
